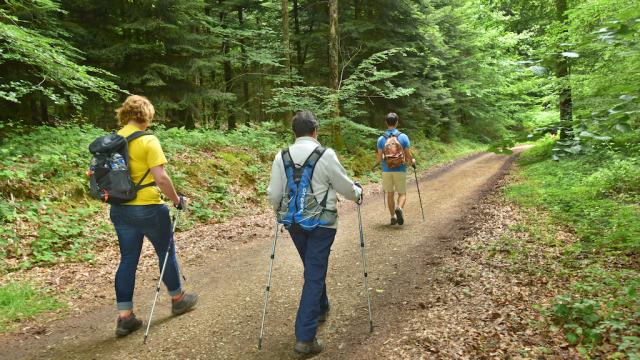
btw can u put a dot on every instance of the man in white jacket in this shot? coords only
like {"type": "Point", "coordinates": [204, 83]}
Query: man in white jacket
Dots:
{"type": "Point", "coordinates": [312, 239]}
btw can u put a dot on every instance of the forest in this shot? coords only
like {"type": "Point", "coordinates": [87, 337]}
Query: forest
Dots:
{"type": "Point", "coordinates": [226, 76]}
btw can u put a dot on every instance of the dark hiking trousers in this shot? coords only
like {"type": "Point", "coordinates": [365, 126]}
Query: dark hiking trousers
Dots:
{"type": "Point", "coordinates": [132, 223]}
{"type": "Point", "coordinates": [314, 248]}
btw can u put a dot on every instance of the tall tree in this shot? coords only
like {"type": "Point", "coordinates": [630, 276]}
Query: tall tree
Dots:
{"type": "Point", "coordinates": [334, 60]}
{"type": "Point", "coordinates": [228, 69]}
{"type": "Point", "coordinates": [562, 73]}
{"type": "Point", "coordinates": [286, 43]}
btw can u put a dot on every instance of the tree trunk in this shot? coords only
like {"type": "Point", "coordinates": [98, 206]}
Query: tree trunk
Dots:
{"type": "Point", "coordinates": [334, 76]}
{"type": "Point", "coordinates": [44, 111]}
{"type": "Point", "coordinates": [228, 85]}
{"type": "Point", "coordinates": [33, 113]}
{"type": "Point", "coordinates": [563, 75]}
{"type": "Point", "coordinates": [228, 73]}
{"type": "Point", "coordinates": [356, 9]}
{"type": "Point", "coordinates": [333, 51]}
{"type": "Point", "coordinates": [296, 27]}
{"type": "Point", "coordinates": [287, 50]}
{"type": "Point", "coordinates": [285, 38]}
{"type": "Point", "coordinates": [245, 65]}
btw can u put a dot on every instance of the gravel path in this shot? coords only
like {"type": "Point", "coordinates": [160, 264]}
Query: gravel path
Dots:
{"type": "Point", "coordinates": [231, 281]}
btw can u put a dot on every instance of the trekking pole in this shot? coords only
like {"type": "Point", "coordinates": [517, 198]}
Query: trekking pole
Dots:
{"type": "Point", "coordinates": [384, 197]}
{"type": "Point", "coordinates": [384, 193]}
{"type": "Point", "coordinates": [268, 288]}
{"type": "Point", "coordinates": [164, 266]}
{"type": "Point", "coordinates": [364, 267]}
{"type": "Point", "coordinates": [418, 186]}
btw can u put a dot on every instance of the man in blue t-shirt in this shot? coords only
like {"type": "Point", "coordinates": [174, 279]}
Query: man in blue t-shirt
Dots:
{"type": "Point", "coordinates": [394, 167]}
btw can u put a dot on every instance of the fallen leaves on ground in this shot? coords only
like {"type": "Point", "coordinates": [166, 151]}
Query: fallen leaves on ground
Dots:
{"type": "Point", "coordinates": [480, 305]}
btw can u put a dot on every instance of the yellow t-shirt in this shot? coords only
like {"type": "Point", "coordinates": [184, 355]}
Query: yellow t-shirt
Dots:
{"type": "Point", "coordinates": [144, 153]}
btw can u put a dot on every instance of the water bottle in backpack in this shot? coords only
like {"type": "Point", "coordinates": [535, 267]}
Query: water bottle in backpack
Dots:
{"type": "Point", "coordinates": [118, 163]}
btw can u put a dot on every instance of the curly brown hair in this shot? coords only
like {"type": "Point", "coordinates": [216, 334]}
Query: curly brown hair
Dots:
{"type": "Point", "coordinates": [135, 108]}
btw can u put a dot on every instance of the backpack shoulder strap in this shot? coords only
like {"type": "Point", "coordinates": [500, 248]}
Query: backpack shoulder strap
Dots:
{"type": "Point", "coordinates": [314, 157]}
{"type": "Point", "coordinates": [136, 135]}
{"type": "Point", "coordinates": [312, 161]}
{"type": "Point", "coordinates": [286, 158]}
{"type": "Point", "coordinates": [130, 138]}
{"type": "Point", "coordinates": [398, 137]}
{"type": "Point", "coordinates": [289, 167]}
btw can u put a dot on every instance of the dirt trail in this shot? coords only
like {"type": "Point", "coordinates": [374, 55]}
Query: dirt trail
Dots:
{"type": "Point", "coordinates": [231, 283]}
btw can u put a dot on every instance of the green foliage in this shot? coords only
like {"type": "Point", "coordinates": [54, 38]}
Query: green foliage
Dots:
{"type": "Point", "coordinates": [45, 212]}
{"type": "Point", "coordinates": [598, 43]}
{"type": "Point", "coordinates": [603, 308]}
{"type": "Point", "coordinates": [595, 195]}
{"type": "Point", "coordinates": [448, 67]}
{"type": "Point", "coordinates": [35, 62]}
{"type": "Point", "coordinates": [367, 81]}
{"type": "Point", "coordinates": [47, 217]}
{"type": "Point", "coordinates": [21, 301]}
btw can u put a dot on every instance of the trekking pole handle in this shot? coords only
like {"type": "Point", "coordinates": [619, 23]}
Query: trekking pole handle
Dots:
{"type": "Point", "coordinates": [182, 203]}
{"type": "Point", "coordinates": [359, 201]}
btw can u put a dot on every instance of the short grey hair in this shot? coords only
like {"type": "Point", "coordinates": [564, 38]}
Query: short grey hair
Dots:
{"type": "Point", "coordinates": [304, 123]}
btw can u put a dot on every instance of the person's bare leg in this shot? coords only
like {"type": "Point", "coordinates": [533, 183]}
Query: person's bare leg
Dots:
{"type": "Point", "coordinates": [391, 203]}
{"type": "Point", "coordinates": [402, 200]}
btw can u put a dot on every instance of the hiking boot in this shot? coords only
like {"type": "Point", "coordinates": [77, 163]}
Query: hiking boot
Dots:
{"type": "Point", "coordinates": [186, 303]}
{"type": "Point", "coordinates": [400, 216]}
{"type": "Point", "coordinates": [127, 325]}
{"type": "Point", "coordinates": [309, 347]}
{"type": "Point", "coordinates": [394, 220]}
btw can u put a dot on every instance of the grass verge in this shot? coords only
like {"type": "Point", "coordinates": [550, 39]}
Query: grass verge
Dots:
{"type": "Point", "coordinates": [22, 301]}
{"type": "Point", "coordinates": [594, 199]}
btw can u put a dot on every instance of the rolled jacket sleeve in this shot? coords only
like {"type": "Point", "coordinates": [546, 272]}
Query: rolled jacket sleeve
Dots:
{"type": "Point", "coordinates": [277, 184]}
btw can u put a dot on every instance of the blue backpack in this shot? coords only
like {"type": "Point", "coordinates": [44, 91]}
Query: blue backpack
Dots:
{"type": "Point", "coordinates": [299, 206]}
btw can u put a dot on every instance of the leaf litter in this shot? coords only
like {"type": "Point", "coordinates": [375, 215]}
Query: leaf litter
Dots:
{"type": "Point", "coordinates": [479, 304]}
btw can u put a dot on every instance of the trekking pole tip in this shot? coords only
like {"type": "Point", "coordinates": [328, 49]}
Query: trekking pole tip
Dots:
{"type": "Point", "coordinates": [260, 344]}
{"type": "Point", "coordinates": [145, 339]}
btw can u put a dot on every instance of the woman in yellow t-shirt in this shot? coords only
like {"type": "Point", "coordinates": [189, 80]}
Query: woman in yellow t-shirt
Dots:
{"type": "Point", "coordinates": [146, 215]}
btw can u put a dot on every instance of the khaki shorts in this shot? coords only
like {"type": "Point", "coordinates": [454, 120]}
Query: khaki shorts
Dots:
{"type": "Point", "coordinates": [394, 182]}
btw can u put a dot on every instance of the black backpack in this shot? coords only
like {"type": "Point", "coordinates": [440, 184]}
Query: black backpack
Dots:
{"type": "Point", "coordinates": [109, 174]}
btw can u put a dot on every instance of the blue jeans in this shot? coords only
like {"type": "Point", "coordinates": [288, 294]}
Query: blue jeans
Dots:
{"type": "Point", "coordinates": [132, 223]}
{"type": "Point", "coordinates": [314, 248]}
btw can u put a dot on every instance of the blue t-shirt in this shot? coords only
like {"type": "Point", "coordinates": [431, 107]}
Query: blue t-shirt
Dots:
{"type": "Point", "coordinates": [404, 141]}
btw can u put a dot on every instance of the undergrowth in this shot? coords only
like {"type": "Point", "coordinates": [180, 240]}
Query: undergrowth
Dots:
{"type": "Point", "coordinates": [46, 215]}
{"type": "Point", "coordinates": [596, 197]}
